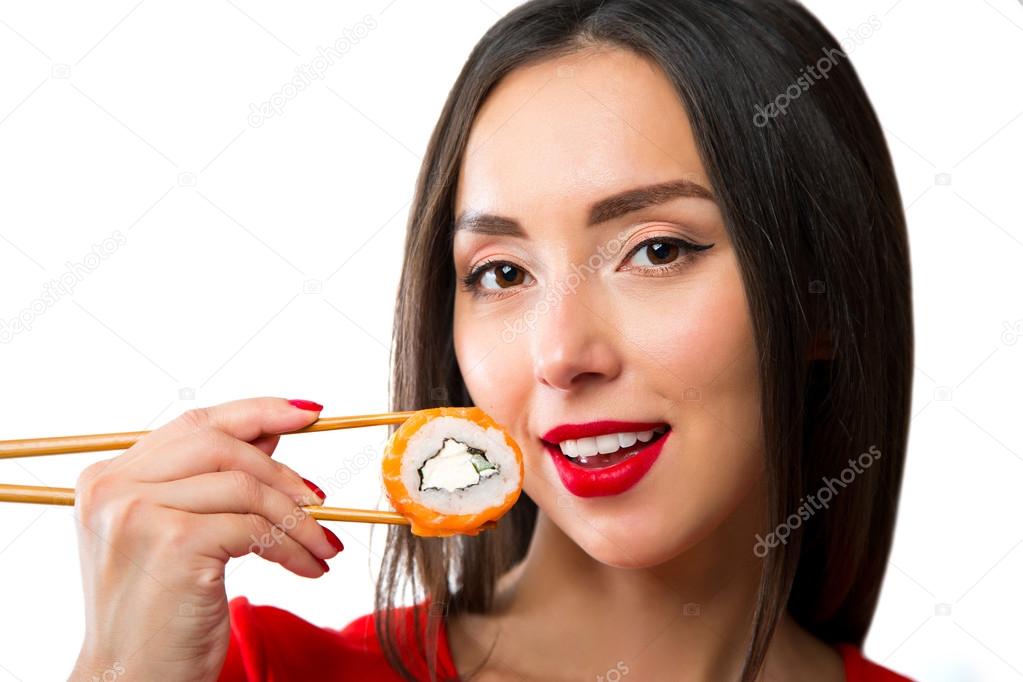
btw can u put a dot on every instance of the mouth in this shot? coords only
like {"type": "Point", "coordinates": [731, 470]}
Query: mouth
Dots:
{"type": "Point", "coordinates": [599, 445]}
{"type": "Point", "coordinates": [603, 458]}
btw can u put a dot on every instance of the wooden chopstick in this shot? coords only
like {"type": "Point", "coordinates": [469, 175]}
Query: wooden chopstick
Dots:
{"type": "Point", "coordinates": [38, 494]}
{"type": "Point", "coordinates": [32, 447]}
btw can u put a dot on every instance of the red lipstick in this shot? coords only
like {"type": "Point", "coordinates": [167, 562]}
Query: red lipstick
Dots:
{"type": "Point", "coordinates": [610, 480]}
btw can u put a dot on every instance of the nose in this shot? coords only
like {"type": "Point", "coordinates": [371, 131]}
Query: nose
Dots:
{"type": "Point", "coordinates": [573, 346]}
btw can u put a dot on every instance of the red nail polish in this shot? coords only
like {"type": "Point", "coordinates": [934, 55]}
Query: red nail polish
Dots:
{"type": "Point", "coordinates": [315, 488]}
{"type": "Point", "coordinates": [323, 565]}
{"type": "Point", "coordinates": [334, 540]}
{"type": "Point", "coordinates": [306, 405]}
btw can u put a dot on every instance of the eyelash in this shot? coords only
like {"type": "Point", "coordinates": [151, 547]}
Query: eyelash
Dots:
{"type": "Point", "coordinates": [687, 252]}
{"type": "Point", "coordinates": [470, 280]}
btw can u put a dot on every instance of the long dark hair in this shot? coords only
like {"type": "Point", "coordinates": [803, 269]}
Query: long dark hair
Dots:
{"type": "Point", "coordinates": [806, 187]}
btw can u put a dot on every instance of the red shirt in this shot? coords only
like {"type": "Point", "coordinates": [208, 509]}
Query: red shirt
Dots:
{"type": "Point", "coordinates": [273, 645]}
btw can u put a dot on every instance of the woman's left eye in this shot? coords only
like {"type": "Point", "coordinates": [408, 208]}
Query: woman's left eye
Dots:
{"type": "Point", "coordinates": [657, 253]}
{"type": "Point", "coordinates": [663, 251]}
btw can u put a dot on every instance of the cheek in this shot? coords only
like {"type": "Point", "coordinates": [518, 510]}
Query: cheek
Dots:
{"type": "Point", "coordinates": [687, 354]}
{"type": "Point", "coordinates": [494, 357]}
{"type": "Point", "coordinates": [695, 332]}
{"type": "Point", "coordinates": [493, 369]}
{"type": "Point", "coordinates": [692, 346]}
{"type": "Point", "coordinates": [710, 373]}
{"type": "Point", "coordinates": [700, 362]}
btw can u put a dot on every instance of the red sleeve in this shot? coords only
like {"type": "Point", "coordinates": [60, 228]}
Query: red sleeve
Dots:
{"type": "Point", "coordinates": [273, 645]}
{"type": "Point", "coordinates": [860, 669]}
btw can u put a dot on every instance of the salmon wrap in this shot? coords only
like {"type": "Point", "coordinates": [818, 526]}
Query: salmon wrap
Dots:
{"type": "Point", "coordinates": [449, 470]}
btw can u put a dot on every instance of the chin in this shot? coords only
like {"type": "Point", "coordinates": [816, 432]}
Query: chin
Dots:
{"type": "Point", "coordinates": [628, 543]}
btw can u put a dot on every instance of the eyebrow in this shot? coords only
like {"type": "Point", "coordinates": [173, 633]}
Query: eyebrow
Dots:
{"type": "Point", "coordinates": [602, 211]}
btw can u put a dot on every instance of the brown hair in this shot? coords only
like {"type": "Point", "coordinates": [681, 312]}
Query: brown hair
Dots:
{"type": "Point", "coordinates": [811, 203]}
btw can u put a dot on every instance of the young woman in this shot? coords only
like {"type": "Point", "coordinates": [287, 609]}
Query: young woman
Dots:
{"type": "Point", "coordinates": [662, 243]}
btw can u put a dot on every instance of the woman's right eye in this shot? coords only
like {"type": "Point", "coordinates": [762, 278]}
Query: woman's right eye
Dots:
{"type": "Point", "coordinates": [502, 276]}
{"type": "Point", "coordinates": [496, 276]}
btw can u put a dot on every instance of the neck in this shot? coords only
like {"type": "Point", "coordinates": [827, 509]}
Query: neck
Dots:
{"type": "Point", "coordinates": [691, 614]}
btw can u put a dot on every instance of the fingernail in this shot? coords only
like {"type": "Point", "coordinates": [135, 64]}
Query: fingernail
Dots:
{"type": "Point", "coordinates": [323, 565]}
{"type": "Point", "coordinates": [315, 488]}
{"type": "Point", "coordinates": [334, 540]}
{"type": "Point", "coordinates": [306, 405]}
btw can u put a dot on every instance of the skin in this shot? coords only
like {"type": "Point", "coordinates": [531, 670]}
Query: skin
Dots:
{"type": "Point", "coordinates": [607, 579]}
{"type": "Point", "coordinates": [158, 523]}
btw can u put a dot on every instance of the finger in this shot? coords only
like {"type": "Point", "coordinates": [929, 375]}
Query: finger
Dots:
{"type": "Point", "coordinates": [250, 418]}
{"type": "Point", "coordinates": [208, 450]}
{"type": "Point", "coordinates": [239, 492]}
{"type": "Point", "coordinates": [241, 534]}
{"type": "Point", "coordinates": [267, 443]}
{"type": "Point", "coordinates": [246, 419]}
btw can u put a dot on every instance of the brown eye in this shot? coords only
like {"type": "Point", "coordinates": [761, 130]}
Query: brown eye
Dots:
{"type": "Point", "coordinates": [656, 253]}
{"type": "Point", "coordinates": [502, 276]}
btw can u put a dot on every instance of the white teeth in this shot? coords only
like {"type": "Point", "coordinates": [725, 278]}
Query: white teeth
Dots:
{"type": "Point", "coordinates": [606, 444]}
{"type": "Point", "coordinates": [586, 447]}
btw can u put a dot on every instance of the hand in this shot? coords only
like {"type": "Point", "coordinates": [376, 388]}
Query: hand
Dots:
{"type": "Point", "coordinates": [158, 523]}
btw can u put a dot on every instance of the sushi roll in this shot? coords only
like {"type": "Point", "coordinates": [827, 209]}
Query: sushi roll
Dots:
{"type": "Point", "coordinates": [450, 470]}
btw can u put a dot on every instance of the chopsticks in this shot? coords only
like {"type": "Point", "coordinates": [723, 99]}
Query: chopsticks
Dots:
{"type": "Point", "coordinates": [38, 494]}
{"type": "Point", "coordinates": [32, 447]}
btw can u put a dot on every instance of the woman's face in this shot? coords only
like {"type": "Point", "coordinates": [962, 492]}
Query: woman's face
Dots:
{"type": "Point", "coordinates": [581, 303]}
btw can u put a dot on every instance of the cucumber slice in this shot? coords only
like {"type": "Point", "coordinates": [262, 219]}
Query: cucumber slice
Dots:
{"type": "Point", "coordinates": [482, 464]}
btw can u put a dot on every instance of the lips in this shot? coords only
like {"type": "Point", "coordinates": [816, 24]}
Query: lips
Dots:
{"type": "Point", "coordinates": [604, 474]}
{"type": "Point", "coordinates": [592, 429]}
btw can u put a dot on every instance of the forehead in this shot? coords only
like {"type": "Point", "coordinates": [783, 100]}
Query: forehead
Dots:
{"type": "Point", "coordinates": [573, 129]}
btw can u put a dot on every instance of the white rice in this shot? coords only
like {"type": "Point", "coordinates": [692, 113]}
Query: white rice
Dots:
{"type": "Point", "coordinates": [429, 439]}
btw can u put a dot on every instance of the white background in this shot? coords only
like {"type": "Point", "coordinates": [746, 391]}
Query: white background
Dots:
{"type": "Point", "coordinates": [263, 260]}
